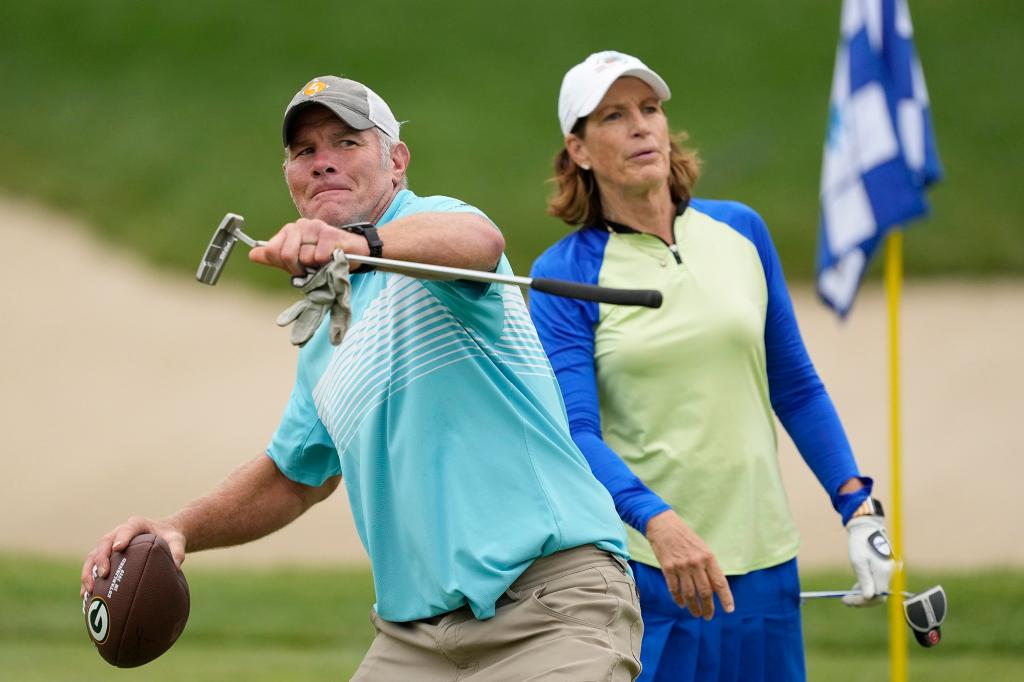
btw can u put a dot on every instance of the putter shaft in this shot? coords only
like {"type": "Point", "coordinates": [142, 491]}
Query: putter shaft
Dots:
{"type": "Point", "coordinates": [836, 594]}
{"type": "Point", "coordinates": [230, 231]}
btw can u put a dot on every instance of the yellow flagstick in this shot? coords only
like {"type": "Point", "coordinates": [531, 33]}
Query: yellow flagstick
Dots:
{"type": "Point", "coordinates": [897, 628]}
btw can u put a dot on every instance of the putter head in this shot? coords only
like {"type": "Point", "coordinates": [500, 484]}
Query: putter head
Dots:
{"type": "Point", "coordinates": [216, 254]}
{"type": "Point", "coordinates": [925, 612]}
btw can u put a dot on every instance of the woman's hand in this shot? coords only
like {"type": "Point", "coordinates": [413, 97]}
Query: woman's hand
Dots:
{"type": "Point", "coordinates": [690, 568]}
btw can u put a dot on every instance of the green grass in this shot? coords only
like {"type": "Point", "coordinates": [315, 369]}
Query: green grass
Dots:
{"type": "Point", "coordinates": [982, 639]}
{"type": "Point", "coordinates": [151, 120]}
{"type": "Point", "coordinates": [312, 624]}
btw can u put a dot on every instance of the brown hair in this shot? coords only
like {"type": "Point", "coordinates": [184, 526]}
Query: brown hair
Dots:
{"type": "Point", "coordinates": [577, 199]}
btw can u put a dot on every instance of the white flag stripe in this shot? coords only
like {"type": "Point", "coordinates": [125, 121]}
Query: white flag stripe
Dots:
{"type": "Point", "coordinates": [851, 19]}
{"type": "Point", "coordinates": [911, 119]}
{"type": "Point", "coordinates": [903, 24]}
{"type": "Point", "coordinates": [873, 22]}
{"type": "Point", "coordinates": [874, 141]}
{"type": "Point", "coordinates": [920, 89]}
{"type": "Point", "coordinates": [839, 284]}
{"type": "Point", "coordinates": [848, 218]}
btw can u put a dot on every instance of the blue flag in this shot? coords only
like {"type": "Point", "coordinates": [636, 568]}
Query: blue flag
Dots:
{"type": "Point", "coordinates": [880, 153]}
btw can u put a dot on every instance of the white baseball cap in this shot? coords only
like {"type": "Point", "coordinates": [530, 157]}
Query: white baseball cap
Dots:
{"type": "Point", "coordinates": [585, 84]}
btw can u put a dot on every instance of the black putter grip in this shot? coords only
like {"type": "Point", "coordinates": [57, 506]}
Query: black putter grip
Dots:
{"type": "Point", "coordinates": [648, 298]}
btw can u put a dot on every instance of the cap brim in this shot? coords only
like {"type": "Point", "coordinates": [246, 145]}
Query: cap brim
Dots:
{"type": "Point", "coordinates": [646, 75]}
{"type": "Point", "coordinates": [354, 120]}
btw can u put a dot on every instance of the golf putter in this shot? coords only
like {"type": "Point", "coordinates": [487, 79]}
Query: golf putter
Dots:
{"type": "Point", "coordinates": [223, 241]}
{"type": "Point", "coordinates": [230, 231]}
{"type": "Point", "coordinates": [924, 612]}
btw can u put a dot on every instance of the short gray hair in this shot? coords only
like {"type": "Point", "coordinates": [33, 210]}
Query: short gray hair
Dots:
{"type": "Point", "coordinates": [386, 144]}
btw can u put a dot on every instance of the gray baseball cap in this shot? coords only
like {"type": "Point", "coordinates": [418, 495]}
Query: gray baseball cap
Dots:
{"type": "Point", "coordinates": [352, 102]}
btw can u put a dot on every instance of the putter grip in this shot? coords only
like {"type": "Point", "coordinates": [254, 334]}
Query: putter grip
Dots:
{"type": "Point", "coordinates": [648, 298]}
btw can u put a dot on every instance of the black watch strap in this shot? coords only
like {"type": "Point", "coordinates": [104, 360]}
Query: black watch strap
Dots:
{"type": "Point", "coordinates": [369, 232]}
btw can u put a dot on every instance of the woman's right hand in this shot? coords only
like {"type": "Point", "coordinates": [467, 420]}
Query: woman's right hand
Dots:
{"type": "Point", "coordinates": [690, 568]}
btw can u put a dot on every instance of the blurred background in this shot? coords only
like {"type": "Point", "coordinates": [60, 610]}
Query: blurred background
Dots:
{"type": "Point", "coordinates": [128, 129]}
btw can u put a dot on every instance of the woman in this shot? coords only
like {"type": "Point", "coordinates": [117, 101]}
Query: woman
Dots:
{"type": "Point", "coordinates": [673, 407]}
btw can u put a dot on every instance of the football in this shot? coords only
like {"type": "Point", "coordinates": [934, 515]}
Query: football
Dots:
{"type": "Point", "coordinates": [139, 609]}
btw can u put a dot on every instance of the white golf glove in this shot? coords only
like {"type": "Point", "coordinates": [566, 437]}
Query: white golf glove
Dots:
{"type": "Point", "coordinates": [327, 290]}
{"type": "Point", "coordinates": [871, 558]}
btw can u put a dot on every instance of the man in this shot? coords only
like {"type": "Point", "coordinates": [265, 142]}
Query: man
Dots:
{"type": "Point", "coordinates": [495, 553]}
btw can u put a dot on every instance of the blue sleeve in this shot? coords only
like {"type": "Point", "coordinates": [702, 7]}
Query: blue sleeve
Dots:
{"type": "Point", "coordinates": [797, 394]}
{"type": "Point", "coordinates": [566, 330]}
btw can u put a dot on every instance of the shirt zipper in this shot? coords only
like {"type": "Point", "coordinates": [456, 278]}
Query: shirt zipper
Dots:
{"type": "Point", "coordinates": [674, 247]}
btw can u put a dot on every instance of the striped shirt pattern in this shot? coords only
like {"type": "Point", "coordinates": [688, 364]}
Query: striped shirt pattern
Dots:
{"type": "Point", "coordinates": [423, 336]}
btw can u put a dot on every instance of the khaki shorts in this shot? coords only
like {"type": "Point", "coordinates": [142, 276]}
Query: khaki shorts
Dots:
{"type": "Point", "coordinates": [574, 616]}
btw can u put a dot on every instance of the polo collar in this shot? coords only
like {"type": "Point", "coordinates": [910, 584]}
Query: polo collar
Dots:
{"type": "Point", "coordinates": [612, 226]}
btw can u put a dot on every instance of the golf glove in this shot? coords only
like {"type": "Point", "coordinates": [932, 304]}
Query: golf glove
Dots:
{"type": "Point", "coordinates": [326, 291]}
{"type": "Point", "coordinates": [872, 560]}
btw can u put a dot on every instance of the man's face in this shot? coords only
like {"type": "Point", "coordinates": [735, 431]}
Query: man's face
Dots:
{"type": "Point", "coordinates": [336, 173]}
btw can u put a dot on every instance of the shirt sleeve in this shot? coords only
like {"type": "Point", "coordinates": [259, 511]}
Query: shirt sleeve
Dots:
{"type": "Point", "coordinates": [566, 330]}
{"type": "Point", "coordinates": [797, 394]}
{"type": "Point", "coordinates": [301, 447]}
{"type": "Point", "coordinates": [455, 294]}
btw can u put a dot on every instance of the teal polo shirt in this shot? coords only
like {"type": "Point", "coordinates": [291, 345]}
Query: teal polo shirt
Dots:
{"type": "Point", "coordinates": [442, 415]}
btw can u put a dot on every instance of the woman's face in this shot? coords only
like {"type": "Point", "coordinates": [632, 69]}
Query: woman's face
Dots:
{"type": "Point", "coordinates": [626, 142]}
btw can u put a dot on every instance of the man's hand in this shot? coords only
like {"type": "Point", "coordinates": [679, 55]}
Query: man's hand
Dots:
{"type": "Point", "coordinates": [690, 569]}
{"type": "Point", "coordinates": [308, 243]}
{"type": "Point", "coordinates": [871, 558]}
{"type": "Point", "coordinates": [117, 539]}
{"type": "Point", "coordinates": [253, 501]}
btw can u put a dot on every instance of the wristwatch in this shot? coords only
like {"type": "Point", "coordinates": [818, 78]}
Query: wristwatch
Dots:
{"type": "Point", "coordinates": [869, 507]}
{"type": "Point", "coordinates": [369, 232]}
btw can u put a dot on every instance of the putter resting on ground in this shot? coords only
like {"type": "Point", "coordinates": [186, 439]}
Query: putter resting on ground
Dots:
{"type": "Point", "coordinates": [230, 231]}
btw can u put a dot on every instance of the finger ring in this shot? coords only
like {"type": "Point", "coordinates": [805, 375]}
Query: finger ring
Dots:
{"type": "Point", "coordinates": [313, 243]}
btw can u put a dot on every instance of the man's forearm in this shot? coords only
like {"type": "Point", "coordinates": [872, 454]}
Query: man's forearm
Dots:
{"type": "Point", "coordinates": [253, 501]}
{"type": "Point", "coordinates": [453, 239]}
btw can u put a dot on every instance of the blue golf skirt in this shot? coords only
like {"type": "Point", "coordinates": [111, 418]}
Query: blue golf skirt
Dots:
{"type": "Point", "coordinates": [761, 641]}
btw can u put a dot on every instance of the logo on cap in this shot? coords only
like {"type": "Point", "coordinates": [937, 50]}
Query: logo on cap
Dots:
{"type": "Point", "coordinates": [607, 62]}
{"type": "Point", "coordinates": [314, 87]}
